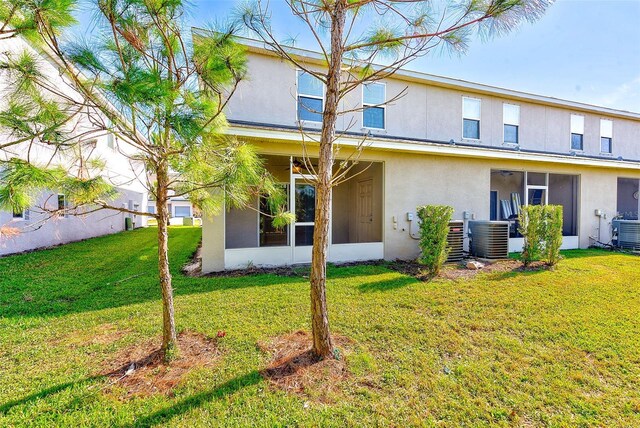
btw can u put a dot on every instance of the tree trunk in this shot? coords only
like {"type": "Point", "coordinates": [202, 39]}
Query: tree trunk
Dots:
{"type": "Point", "coordinates": [169, 339]}
{"type": "Point", "coordinates": [322, 342]}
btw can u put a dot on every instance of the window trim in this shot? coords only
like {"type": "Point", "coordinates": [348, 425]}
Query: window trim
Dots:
{"type": "Point", "coordinates": [383, 107]}
{"type": "Point", "coordinates": [479, 120]}
{"type": "Point", "coordinates": [504, 123]}
{"type": "Point", "coordinates": [182, 206]}
{"type": "Point", "coordinates": [299, 94]}
{"type": "Point", "coordinates": [610, 152]}
{"type": "Point", "coordinates": [19, 217]}
{"type": "Point", "coordinates": [577, 133]}
{"type": "Point", "coordinates": [65, 205]}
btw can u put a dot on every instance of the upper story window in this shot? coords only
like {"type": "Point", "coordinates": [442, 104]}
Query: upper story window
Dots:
{"type": "Point", "coordinates": [511, 121]}
{"type": "Point", "coordinates": [577, 132]}
{"type": "Point", "coordinates": [19, 215]}
{"type": "Point", "coordinates": [606, 136]}
{"type": "Point", "coordinates": [373, 98]}
{"type": "Point", "coordinates": [471, 118]}
{"type": "Point", "coordinates": [111, 138]}
{"type": "Point", "coordinates": [310, 97]}
{"type": "Point", "coordinates": [63, 205]}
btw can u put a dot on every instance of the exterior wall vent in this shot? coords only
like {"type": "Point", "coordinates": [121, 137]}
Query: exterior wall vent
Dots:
{"type": "Point", "coordinates": [455, 240]}
{"type": "Point", "coordinates": [626, 234]}
{"type": "Point", "coordinates": [489, 239]}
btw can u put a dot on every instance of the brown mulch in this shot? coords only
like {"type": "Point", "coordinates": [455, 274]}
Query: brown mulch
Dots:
{"type": "Point", "coordinates": [298, 270]}
{"type": "Point", "coordinates": [293, 368]}
{"type": "Point", "coordinates": [141, 370]}
{"type": "Point", "coordinates": [459, 271]}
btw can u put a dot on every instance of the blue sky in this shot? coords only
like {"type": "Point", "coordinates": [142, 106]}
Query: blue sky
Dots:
{"type": "Point", "coordinates": [581, 50]}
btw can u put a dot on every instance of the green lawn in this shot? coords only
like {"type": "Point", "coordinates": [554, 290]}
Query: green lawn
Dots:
{"type": "Point", "coordinates": [552, 348]}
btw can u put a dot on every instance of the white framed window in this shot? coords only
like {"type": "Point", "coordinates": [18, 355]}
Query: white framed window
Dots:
{"type": "Point", "coordinates": [63, 205]}
{"type": "Point", "coordinates": [151, 209]}
{"type": "Point", "coordinates": [310, 97]}
{"type": "Point", "coordinates": [511, 123]}
{"type": "Point", "coordinates": [471, 118]}
{"type": "Point", "coordinates": [20, 215]}
{"type": "Point", "coordinates": [577, 132]}
{"type": "Point", "coordinates": [111, 141]}
{"type": "Point", "coordinates": [111, 138]}
{"type": "Point", "coordinates": [373, 98]}
{"type": "Point", "coordinates": [182, 211]}
{"type": "Point", "coordinates": [606, 136]}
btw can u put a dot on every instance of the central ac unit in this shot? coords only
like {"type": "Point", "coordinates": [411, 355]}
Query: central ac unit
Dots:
{"type": "Point", "coordinates": [626, 234]}
{"type": "Point", "coordinates": [489, 239]}
{"type": "Point", "coordinates": [455, 241]}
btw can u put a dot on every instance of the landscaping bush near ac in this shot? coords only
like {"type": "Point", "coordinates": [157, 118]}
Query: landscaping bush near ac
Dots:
{"type": "Point", "coordinates": [541, 227]}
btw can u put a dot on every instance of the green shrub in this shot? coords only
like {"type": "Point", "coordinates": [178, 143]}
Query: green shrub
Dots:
{"type": "Point", "coordinates": [552, 233]}
{"type": "Point", "coordinates": [434, 228]}
{"type": "Point", "coordinates": [531, 227]}
{"type": "Point", "coordinates": [541, 227]}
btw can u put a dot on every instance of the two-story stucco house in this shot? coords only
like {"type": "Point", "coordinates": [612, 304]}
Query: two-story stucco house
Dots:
{"type": "Point", "coordinates": [33, 228]}
{"type": "Point", "coordinates": [483, 150]}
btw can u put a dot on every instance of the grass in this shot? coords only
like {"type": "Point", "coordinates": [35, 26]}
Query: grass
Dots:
{"type": "Point", "coordinates": [548, 348]}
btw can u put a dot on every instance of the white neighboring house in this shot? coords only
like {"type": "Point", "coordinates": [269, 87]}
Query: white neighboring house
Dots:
{"type": "Point", "coordinates": [32, 228]}
{"type": "Point", "coordinates": [180, 208]}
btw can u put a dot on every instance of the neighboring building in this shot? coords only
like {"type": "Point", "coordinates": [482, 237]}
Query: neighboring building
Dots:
{"type": "Point", "coordinates": [483, 150]}
{"type": "Point", "coordinates": [180, 207]}
{"type": "Point", "coordinates": [34, 228]}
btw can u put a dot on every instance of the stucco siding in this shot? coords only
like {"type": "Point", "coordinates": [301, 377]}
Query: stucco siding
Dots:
{"type": "Point", "coordinates": [411, 180]}
{"type": "Point", "coordinates": [431, 112]}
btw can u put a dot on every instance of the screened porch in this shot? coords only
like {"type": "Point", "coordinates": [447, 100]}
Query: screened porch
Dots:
{"type": "Point", "coordinates": [356, 219]}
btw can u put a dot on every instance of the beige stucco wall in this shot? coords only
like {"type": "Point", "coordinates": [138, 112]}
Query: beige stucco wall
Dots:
{"type": "Point", "coordinates": [411, 179]}
{"type": "Point", "coordinates": [432, 112]}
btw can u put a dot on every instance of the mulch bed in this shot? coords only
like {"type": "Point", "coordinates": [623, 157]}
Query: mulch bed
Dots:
{"type": "Point", "coordinates": [459, 271]}
{"type": "Point", "coordinates": [141, 370]}
{"type": "Point", "coordinates": [293, 368]}
{"type": "Point", "coordinates": [451, 271]}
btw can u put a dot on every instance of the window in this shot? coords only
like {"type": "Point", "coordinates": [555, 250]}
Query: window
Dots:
{"type": "Point", "coordinates": [63, 205]}
{"type": "Point", "coordinates": [151, 209]}
{"type": "Point", "coordinates": [511, 120]}
{"type": "Point", "coordinates": [470, 118]}
{"type": "Point", "coordinates": [111, 138]}
{"type": "Point", "coordinates": [606, 136]}
{"type": "Point", "coordinates": [182, 211]}
{"type": "Point", "coordinates": [111, 141]}
{"type": "Point", "coordinates": [271, 236]}
{"type": "Point", "coordinates": [18, 214]}
{"type": "Point", "coordinates": [373, 95]}
{"type": "Point", "coordinates": [577, 132]}
{"type": "Point", "coordinates": [310, 97]}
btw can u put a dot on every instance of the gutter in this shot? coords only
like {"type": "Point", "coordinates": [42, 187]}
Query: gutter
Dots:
{"type": "Point", "coordinates": [427, 146]}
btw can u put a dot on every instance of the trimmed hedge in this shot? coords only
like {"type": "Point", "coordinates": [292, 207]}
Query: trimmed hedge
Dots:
{"type": "Point", "coordinates": [434, 229]}
{"type": "Point", "coordinates": [541, 227]}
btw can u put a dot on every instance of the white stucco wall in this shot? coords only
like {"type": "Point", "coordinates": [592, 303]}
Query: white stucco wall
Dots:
{"type": "Point", "coordinates": [127, 176]}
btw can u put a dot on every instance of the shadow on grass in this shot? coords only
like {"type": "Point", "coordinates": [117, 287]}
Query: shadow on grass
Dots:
{"type": "Point", "coordinates": [6, 407]}
{"type": "Point", "coordinates": [196, 400]}
{"type": "Point", "coordinates": [120, 270]}
{"type": "Point", "coordinates": [387, 284]}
